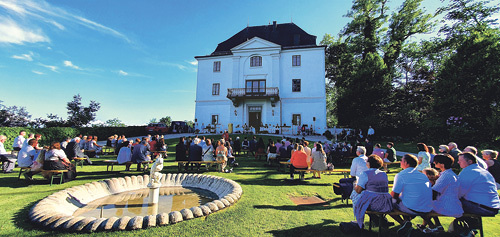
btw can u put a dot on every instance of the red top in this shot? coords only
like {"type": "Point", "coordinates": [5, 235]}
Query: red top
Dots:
{"type": "Point", "coordinates": [152, 145]}
{"type": "Point", "coordinates": [299, 159]}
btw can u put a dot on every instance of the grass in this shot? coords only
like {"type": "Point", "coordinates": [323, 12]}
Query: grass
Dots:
{"type": "Point", "coordinates": [263, 210]}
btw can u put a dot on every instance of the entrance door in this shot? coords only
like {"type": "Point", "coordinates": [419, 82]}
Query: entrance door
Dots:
{"type": "Point", "coordinates": [254, 120]}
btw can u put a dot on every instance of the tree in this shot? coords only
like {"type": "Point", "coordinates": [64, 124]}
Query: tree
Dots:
{"type": "Point", "coordinates": [153, 120]}
{"type": "Point", "coordinates": [166, 120]}
{"type": "Point", "coordinates": [362, 63]}
{"type": "Point", "coordinates": [115, 122]}
{"type": "Point", "coordinates": [13, 116]}
{"type": "Point", "coordinates": [79, 115]}
{"type": "Point", "coordinates": [466, 89]}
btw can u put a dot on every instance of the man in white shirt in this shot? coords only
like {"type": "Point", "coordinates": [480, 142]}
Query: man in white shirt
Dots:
{"type": "Point", "coordinates": [9, 160]}
{"type": "Point", "coordinates": [358, 164]}
{"type": "Point", "coordinates": [412, 192]}
{"type": "Point", "coordinates": [19, 140]}
{"type": "Point", "coordinates": [25, 143]}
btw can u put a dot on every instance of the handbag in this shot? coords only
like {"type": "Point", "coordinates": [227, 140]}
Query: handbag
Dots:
{"type": "Point", "coordinates": [460, 227]}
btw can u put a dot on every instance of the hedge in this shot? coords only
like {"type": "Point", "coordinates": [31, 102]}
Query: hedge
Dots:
{"type": "Point", "coordinates": [60, 133]}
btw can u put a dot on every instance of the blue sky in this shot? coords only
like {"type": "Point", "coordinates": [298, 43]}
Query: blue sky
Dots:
{"type": "Point", "coordinates": [134, 57]}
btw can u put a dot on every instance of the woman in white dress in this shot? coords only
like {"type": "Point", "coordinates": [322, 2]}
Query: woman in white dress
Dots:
{"type": "Point", "coordinates": [125, 154]}
{"type": "Point", "coordinates": [318, 161]}
{"type": "Point", "coordinates": [423, 156]}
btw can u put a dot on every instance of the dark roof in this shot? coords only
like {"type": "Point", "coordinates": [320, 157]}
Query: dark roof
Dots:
{"type": "Point", "coordinates": [287, 35]}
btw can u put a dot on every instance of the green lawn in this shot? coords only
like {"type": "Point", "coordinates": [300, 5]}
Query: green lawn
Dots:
{"type": "Point", "coordinates": [263, 210]}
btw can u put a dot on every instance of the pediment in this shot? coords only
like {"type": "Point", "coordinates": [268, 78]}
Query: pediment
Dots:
{"type": "Point", "coordinates": [256, 43]}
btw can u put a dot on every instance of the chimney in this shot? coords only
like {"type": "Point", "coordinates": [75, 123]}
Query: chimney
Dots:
{"type": "Point", "coordinates": [274, 25]}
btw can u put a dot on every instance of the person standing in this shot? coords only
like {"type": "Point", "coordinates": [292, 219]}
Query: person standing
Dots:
{"type": "Point", "coordinates": [19, 140]}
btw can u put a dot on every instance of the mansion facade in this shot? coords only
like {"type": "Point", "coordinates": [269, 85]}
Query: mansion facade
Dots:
{"type": "Point", "coordinates": [265, 77]}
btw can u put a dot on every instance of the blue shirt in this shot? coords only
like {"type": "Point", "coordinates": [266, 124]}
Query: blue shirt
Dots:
{"type": "Point", "coordinates": [447, 202]}
{"type": "Point", "coordinates": [414, 189]}
{"type": "Point", "coordinates": [478, 185]}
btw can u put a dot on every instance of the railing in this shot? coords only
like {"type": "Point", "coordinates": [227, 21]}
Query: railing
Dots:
{"type": "Point", "coordinates": [256, 92]}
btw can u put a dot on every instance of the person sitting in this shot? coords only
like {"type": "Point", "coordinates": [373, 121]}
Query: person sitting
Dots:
{"type": "Point", "coordinates": [140, 154]}
{"type": "Point", "coordinates": [30, 136]}
{"type": "Point", "coordinates": [246, 144]}
{"type": "Point", "coordinates": [373, 188]}
{"type": "Point", "coordinates": [477, 189]}
{"type": "Point", "coordinates": [180, 150]}
{"type": "Point", "coordinates": [432, 175]}
{"type": "Point", "coordinates": [283, 153]}
{"type": "Point", "coordinates": [125, 155]}
{"type": "Point", "coordinates": [253, 145]}
{"type": "Point", "coordinates": [444, 149]}
{"type": "Point", "coordinates": [445, 191]}
{"type": "Point", "coordinates": [272, 151]}
{"type": "Point", "coordinates": [55, 159]}
{"type": "Point", "coordinates": [490, 157]}
{"type": "Point", "coordinates": [479, 160]}
{"type": "Point", "coordinates": [453, 150]}
{"type": "Point", "coordinates": [290, 149]}
{"type": "Point", "coordinates": [8, 159]}
{"type": "Point", "coordinates": [237, 146]}
{"type": "Point", "coordinates": [259, 147]}
{"type": "Point", "coordinates": [73, 150]}
{"type": "Point", "coordinates": [221, 153]}
{"type": "Point", "coordinates": [298, 160]}
{"type": "Point", "coordinates": [390, 154]}
{"type": "Point", "coordinates": [377, 150]}
{"type": "Point", "coordinates": [318, 161]}
{"type": "Point", "coordinates": [27, 154]}
{"type": "Point", "coordinates": [208, 151]}
{"type": "Point", "coordinates": [19, 140]}
{"type": "Point", "coordinates": [64, 143]}
{"type": "Point", "coordinates": [230, 158]}
{"type": "Point", "coordinates": [195, 153]}
{"type": "Point", "coordinates": [358, 166]}
{"type": "Point", "coordinates": [412, 192]}
{"type": "Point", "coordinates": [423, 157]}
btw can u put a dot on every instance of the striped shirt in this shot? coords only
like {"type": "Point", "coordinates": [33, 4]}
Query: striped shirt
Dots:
{"type": "Point", "coordinates": [447, 202]}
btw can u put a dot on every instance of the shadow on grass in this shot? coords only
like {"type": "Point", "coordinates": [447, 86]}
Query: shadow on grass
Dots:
{"type": "Point", "coordinates": [21, 221]}
{"type": "Point", "coordinates": [326, 228]}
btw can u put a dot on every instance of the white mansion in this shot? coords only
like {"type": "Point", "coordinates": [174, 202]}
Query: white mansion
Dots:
{"type": "Point", "coordinates": [263, 76]}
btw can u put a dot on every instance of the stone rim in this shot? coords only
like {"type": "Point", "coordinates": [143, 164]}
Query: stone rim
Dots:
{"type": "Point", "coordinates": [56, 210]}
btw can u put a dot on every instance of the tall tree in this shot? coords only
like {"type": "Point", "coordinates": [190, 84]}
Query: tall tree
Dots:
{"type": "Point", "coordinates": [80, 115]}
{"type": "Point", "coordinates": [13, 116]}
{"type": "Point", "coordinates": [166, 120]}
{"type": "Point", "coordinates": [467, 86]}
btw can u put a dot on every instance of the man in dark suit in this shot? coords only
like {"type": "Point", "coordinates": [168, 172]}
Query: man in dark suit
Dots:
{"type": "Point", "coordinates": [283, 153]}
{"type": "Point", "coordinates": [73, 150]}
{"type": "Point", "coordinates": [290, 148]}
{"type": "Point", "coordinates": [195, 153]}
{"type": "Point", "coordinates": [180, 150]}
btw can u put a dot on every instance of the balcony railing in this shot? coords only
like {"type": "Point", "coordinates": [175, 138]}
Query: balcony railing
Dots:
{"type": "Point", "coordinates": [255, 92]}
{"type": "Point", "coordinates": [237, 94]}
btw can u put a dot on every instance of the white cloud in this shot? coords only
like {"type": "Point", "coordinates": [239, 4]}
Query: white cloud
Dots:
{"type": "Point", "coordinates": [71, 65]}
{"type": "Point", "coordinates": [27, 57]}
{"type": "Point", "coordinates": [52, 68]}
{"type": "Point", "coordinates": [123, 73]}
{"type": "Point", "coordinates": [12, 33]}
{"type": "Point", "coordinates": [194, 62]}
{"type": "Point", "coordinates": [37, 72]}
{"type": "Point", "coordinates": [36, 13]}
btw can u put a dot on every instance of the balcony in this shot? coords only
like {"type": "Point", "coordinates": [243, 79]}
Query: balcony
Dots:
{"type": "Point", "coordinates": [238, 94]}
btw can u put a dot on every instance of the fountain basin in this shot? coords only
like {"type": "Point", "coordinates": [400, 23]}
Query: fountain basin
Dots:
{"type": "Point", "coordinates": [59, 211]}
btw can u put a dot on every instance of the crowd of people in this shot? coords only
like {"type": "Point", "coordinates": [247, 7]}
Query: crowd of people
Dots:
{"type": "Point", "coordinates": [419, 188]}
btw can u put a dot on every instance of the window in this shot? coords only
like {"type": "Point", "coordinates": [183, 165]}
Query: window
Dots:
{"type": "Point", "coordinates": [215, 89]}
{"type": "Point", "coordinates": [215, 119]}
{"type": "Point", "coordinates": [296, 119]}
{"type": "Point", "coordinates": [217, 66]}
{"type": "Point", "coordinates": [296, 60]}
{"type": "Point", "coordinates": [256, 61]}
{"type": "Point", "coordinates": [295, 85]}
{"type": "Point", "coordinates": [255, 87]}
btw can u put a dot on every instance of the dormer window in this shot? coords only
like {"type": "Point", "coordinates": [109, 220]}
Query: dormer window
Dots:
{"type": "Point", "coordinates": [256, 61]}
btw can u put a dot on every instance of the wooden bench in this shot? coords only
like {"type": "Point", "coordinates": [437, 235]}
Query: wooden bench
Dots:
{"type": "Point", "coordinates": [106, 150]}
{"type": "Point", "coordinates": [181, 164]}
{"type": "Point", "coordinates": [381, 215]}
{"type": "Point", "coordinates": [345, 172]}
{"type": "Point", "coordinates": [55, 174]}
{"type": "Point", "coordinates": [112, 163]}
{"type": "Point", "coordinates": [26, 169]}
{"type": "Point", "coordinates": [79, 160]}
{"type": "Point", "coordinates": [260, 154]}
